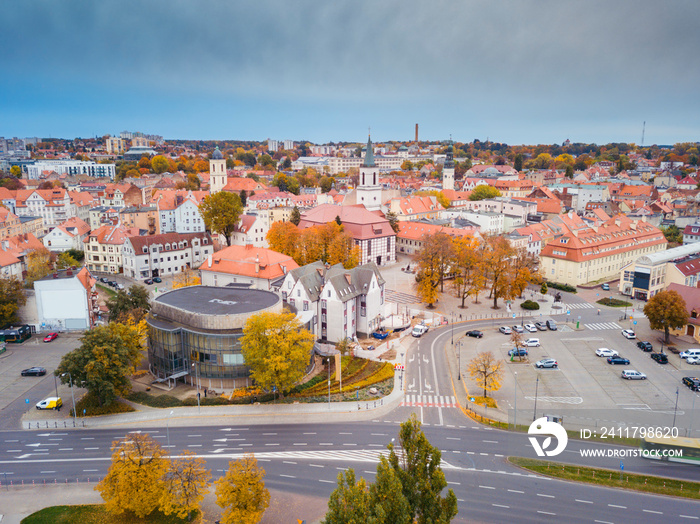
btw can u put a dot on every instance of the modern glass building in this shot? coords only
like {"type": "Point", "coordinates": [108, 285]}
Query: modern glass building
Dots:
{"type": "Point", "coordinates": [194, 334]}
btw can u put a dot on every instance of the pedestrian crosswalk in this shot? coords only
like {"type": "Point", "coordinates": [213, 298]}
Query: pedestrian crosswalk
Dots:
{"type": "Point", "coordinates": [582, 305]}
{"type": "Point", "coordinates": [603, 325]}
{"type": "Point", "coordinates": [429, 401]}
{"type": "Point", "coordinates": [400, 297]}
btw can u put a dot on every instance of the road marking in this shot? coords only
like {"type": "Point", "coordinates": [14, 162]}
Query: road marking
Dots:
{"type": "Point", "coordinates": [376, 445]}
{"type": "Point", "coordinates": [288, 476]}
{"type": "Point", "coordinates": [341, 469]}
{"type": "Point", "coordinates": [350, 444]}
{"type": "Point", "coordinates": [688, 517]}
{"type": "Point", "coordinates": [87, 449]}
{"type": "Point", "coordinates": [344, 433]}
{"type": "Point", "coordinates": [487, 487]}
{"type": "Point", "coordinates": [652, 511]}
{"type": "Point", "coordinates": [373, 473]}
{"type": "Point", "coordinates": [316, 466]}
{"type": "Point", "coordinates": [543, 495]}
{"type": "Point", "coordinates": [490, 441]}
{"type": "Point", "coordinates": [269, 434]}
{"type": "Point", "coordinates": [547, 513]}
{"type": "Point", "coordinates": [309, 433]}
{"type": "Point", "coordinates": [616, 506]}
{"type": "Point", "coordinates": [47, 472]}
{"type": "Point", "coordinates": [327, 481]}
{"type": "Point", "coordinates": [193, 436]}
{"type": "Point", "coordinates": [453, 438]}
{"type": "Point", "coordinates": [603, 522]}
{"type": "Point", "coordinates": [300, 444]}
{"type": "Point", "coordinates": [379, 434]}
{"type": "Point", "coordinates": [516, 491]}
{"type": "Point", "coordinates": [194, 445]}
{"type": "Point", "coordinates": [89, 470]}
{"type": "Point", "coordinates": [272, 444]}
{"type": "Point", "coordinates": [325, 444]}
{"type": "Point", "coordinates": [497, 455]}
{"type": "Point", "coordinates": [484, 454]}
{"type": "Point", "coordinates": [584, 501]}
{"type": "Point", "coordinates": [455, 483]}
{"type": "Point", "coordinates": [501, 506]}
{"type": "Point", "coordinates": [12, 440]}
{"type": "Point", "coordinates": [17, 450]}
{"type": "Point", "coordinates": [288, 462]}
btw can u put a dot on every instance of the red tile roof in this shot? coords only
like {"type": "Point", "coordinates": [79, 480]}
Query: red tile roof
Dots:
{"type": "Point", "coordinates": [244, 260]}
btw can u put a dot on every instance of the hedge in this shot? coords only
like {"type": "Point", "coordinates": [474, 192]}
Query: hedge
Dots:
{"type": "Point", "coordinates": [562, 287]}
{"type": "Point", "coordinates": [530, 305]}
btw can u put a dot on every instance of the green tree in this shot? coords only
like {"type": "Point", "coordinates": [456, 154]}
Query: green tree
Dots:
{"type": "Point", "coordinates": [544, 288]}
{"type": "Point", "coordinates": [349, 502]}
{"type": "Point", "coordinates": [65, 260]}
{"type": "Point", "coordinates": [422, 480]}
{"type": "Point", "coordinates": [518, 163]}
{"type": "Point", "coordinates": [326, 183]}
{"type": "Point", "coordinates": [11, 298]}
{"type": "Point", "coordinates": [133, 482]}
{"type": "Point", "coordinates": [673, 234]}
{"type": "Point", "coordinates": [77, 254]}
{"type": "Point", "coordinates": [393, 219]}
{"type": "Point", "coordinates": [666, 310]}
{"type": "Point", "coordinates": [241, 492]}
{"type": "Point", "coordinates": [276, 349]}
{"type": "Point", "coordinates": [295, 216]}
{"type": "Point", "coordinates": [244, 197]}
{"type": "Point", "coordinates": [134, 304]}
{"type": "Point", "coordinates": [483, 191]}
{"type": "Point", "coordinates": [106, 358]}
{"type": "Point", "coordinates": [221, 213]}
{"type": "Point", "coordinates": [569, 172]}
{"type": "Point", "coordinates": [159, 164]}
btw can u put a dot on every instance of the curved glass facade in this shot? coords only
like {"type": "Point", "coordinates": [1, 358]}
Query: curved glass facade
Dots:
{"type": "Point", "coordinates": [173, 349]}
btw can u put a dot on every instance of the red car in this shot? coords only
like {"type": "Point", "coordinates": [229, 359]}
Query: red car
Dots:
{"type": "Point", "coordinates": [50, 337]}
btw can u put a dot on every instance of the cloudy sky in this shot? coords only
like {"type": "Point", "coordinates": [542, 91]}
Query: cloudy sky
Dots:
{"type": "Point", "coordinates": [525, 71]}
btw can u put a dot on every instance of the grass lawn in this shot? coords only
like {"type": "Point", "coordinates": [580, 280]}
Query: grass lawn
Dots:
{"type": "Point", "coordinates": [110, 292]}
{"type": "Point", "coordinates": [607, 477]}
{"type": "Point", "coordinates": [97, 514]}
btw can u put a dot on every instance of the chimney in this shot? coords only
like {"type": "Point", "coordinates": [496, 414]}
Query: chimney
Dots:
{"type": "Point", "coordinates": [416, 132]}
{"type": "Point", "coordinates": [209, 260]}
{"type": "Point", "coordinates": [257, 263]}
{"type": "Point", "coordinates": [248, 246]}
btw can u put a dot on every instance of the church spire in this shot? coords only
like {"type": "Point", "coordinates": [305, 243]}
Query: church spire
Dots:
{"type": "Point", "coordinates": [369, 156]}
{"type": "Point", "coordinates": [449, 155]}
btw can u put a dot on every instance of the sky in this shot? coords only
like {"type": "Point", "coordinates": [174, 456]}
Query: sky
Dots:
{"type": "Point", "coordinates": [518, 71]}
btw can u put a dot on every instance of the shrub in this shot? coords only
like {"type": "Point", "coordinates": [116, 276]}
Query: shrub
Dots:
{"type": "Point", "coordinates": [530, 305]}
{"type": "Point", "coordinates": [562, 287]}
{"type": "Point", "coordinates": [92, 408]}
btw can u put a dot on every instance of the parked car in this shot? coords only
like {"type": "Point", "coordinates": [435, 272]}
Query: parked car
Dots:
{"type": "Point", "coordinates": [112, 283]}
{"type": "Point", "coordinates": [50, 403]}
{"type": "Point", "coordinates": [605, 352]}
{"type": "Point", "coordinates": [148, 281]}
{"type": "Point", "coordinates": [505, 330]}
{"type": "Point", "coordinates": [546, 363]}
{"type": "Point", "coordinates": [419, 330]}
{"type": "Point", "coordinates": [521, 352]}
{"type": "Point", "coordinates": [692, 382]}
{"type": "Point", "coordinates": [631, 374]}
{"type": "Point", "coordinates": [157, 280]}
{"type": "Point", "coordinates": [693, 360]}
{"type": "Point", "coordinates": [119, 286]}
{"type": "Point", "coordinates": [552, 325]}
{"type": "Point", "coordinates": [34, 372]}
{"type": "Point", "coordinates": [50, 337]}
{"type": "Point", "coordinates": [605, 287]}
{"type": "Point", "coordinates": [532, 328]}
{"type": "Point", "coordinates": [628, 333]}
{"type": "Point", "coordinates": [542, 326]}
{"type": "Point", "coordinates": [519, 329]}
{"type": "Point", "coordinates": [645, 346]}
{"type": "Point", "coordinates": [104, 280]}
{"type": "Point", "coordinates": [690, 353]}
{"type": "Point", "coordinates": [532, 343]}
{"type": "Point", "coordinates": [475, 333]}
{"type": "Point", "coordinates": [661, 358]}
{"type": "Point", "coordinates": [617, 359]}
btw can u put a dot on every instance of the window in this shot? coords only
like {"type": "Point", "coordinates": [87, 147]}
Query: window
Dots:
{"type": "Point", "coordinates": [306, 305]}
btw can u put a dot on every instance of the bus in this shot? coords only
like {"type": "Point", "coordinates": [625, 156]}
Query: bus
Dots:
{"type": "Point", "coordinates": [16, 334]}
{"type": "Point", "coordinates": [678, 449]}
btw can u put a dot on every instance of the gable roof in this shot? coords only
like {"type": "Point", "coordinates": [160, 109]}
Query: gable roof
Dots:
{"type": "Point", "coordinates": [249, 261]}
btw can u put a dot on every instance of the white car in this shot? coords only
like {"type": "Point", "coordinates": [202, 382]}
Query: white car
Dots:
{"type": "Point", "coordinates": [631, 374]}
{"type": "Point", "coordinates": [532, 343]}
{"type": "Point", "coordinates": [693, 360]}
{"type": "Point", "coordinates": [532, 328]}
{"type": "Point", "coordinates": [628, 333]}
{"type": "Point", "coordinates": [605, 352]}
{"type": "Point", "coordinates": [690, 353]}
{"type": "Point", "coordinates": [419, 330]}
{"type": "Point", "coordinates": [505, 330]}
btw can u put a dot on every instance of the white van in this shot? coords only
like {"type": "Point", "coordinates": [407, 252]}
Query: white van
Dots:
{"type": "Point", "coordinates": [419, 330]}
{"type": "Point", "coordinates": [690, 353]}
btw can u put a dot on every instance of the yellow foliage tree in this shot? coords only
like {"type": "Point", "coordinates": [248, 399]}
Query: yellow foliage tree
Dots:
{"type": "Point", "coordinates": [283, 237]}
{"type": "Point", "coordinates": [427, 283]}
{"type": "Point", "coordinates": [186, 278]}
{"type": "Point", "coordinates": [487, 371]}
{"type": "Point", "coordinates": [242, 493]}
{"type": "Point", "coordinates": [276, 349]}
{"type": "Point", "coordinates": [133, 481]}
{"type": "Point", "coordinates": [467, 269]}
{"type": "Point", "coordinates": [185, 484]}
{"type": "Point", "coordinates": [38, 265]}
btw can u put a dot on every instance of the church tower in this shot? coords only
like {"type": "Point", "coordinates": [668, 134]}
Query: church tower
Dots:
{"type": "Point", "coordinates": [448, 169]}
{"type": "Point", "coordinates": [217, 172]}
{"type": "Point", "coordinates": [369, 192]}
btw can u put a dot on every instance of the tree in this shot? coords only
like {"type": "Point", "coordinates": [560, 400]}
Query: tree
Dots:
{"type": "Point", "coordinates": [497, 253]}
{"type": "Point", "coordinates": [295, 216]}
{"type": "Point", "coordinates": [185, 484]}
{"type": "Point", "coordinates": [16, 171]}
{"type": "Point", "coordinates": [518, 163]}
{"type": "Point", "coordinates": [436, 256]}
{"type": "Point", "coordinates": [544, 288]}
{"type": "Point", "coordinates": [186, 278]}
{"type": "Point", "coordinates": [517, 340]}
{"type": "Point", "coordinates": [569, 172]}
{"type": "Point", "coordinates": [106, 358]}
{"type": "Point", "coordinates": [283, 237]}
{"type": "Point", "coordinates": [133, 481]}
{"type": "Point", "coordinates": [349, 502]}
{"type": "Point", "coordinates": [77, 254]}
{"type": "Point", "coordinates": [441, 198]}
{"type": "Point", "coordinates": [134, 304]}
{"type": "Point", "coordinates": [469, 277]}
{"type": "Point", "coordinates": [342, 250]}
{"type": "Point", "coordinates": [483, 191]}
{"type": "Point", "coordinates": [666, 310]}
{"type": "Point", "coordinates": [326, 183]}
{"type": "Point", "coordinates": [276, 349]}
{"type": "Point", "coordinates": [65, 260]}
{"type": "Point", "coordinates": [159, 164]}
{"type": "Point", "coordinates": [244, 197]}
{"type": "Point", "coordinates": [487, 371]}
{"type": "Point", "coordinates": [242, 493]}
{"type": "Point", "coordinates": [422, 480]}
{"type": "Point", "coordinates": [145, 162]}
{"type": "Point", "coordinates": [11, 298]}
{"type": "Point", "coordinates": [427, 283]}
{"type": "Point", "coordinates": [221, 213]}
{"type": "Point", "coordinates": [673, 234]}
{"type": "Point", "coordinates": [38, 265]}
{"type": "Point", "coordinates": [393, 219]}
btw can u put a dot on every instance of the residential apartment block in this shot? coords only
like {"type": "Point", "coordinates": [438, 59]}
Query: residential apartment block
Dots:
{"type": "Point", "coordinates": [166, 254]}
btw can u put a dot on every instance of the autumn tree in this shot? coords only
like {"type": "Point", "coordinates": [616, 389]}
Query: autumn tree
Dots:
{"type": "Point", "coordinates": [517, 341]}
{"type": "Point", "coordinates": [186, 278]}
{"type": "Point", "coordinates": [159, 164]}
{"type": "Point", "coordinates": [276, 349]}
{"type": "Point", "coordinates": [184, 485]}
{"type": "Point", "coordinates": [469, 278]}
{"type": "Point", "coordinates": [133, 481]}
{"type": "Point", "coordinates": [283, 237]}
{"type": "Point", "coordinates": [39, 264]}
{"type": "Point", "coordinates": [241, 492]}
{"type": "Point", "coordinates": [11, 299]}
{"type": "Point", "coordinates": [483, 191]}
{"type": "Point", "coordinates": [441, 198]}
{"type": "Point", "coordinates": [65, 260]}
{"type": "Point", "coordinates": [427, 282]}
{"type": "Point", "coordinates": [221, 213]}
{"type": "Point", "coordinates": [497, 253]}
{"type": "Point", "coordinates": [436, 256]}
{"type": "Point", "coordinates": [106, 358]}
{"type": "Point", "coordinates": [134, 304]}
{"type": "Point", "coordinates": [487, 371]}
{"type": "Point", "coordinates": [417, 466]}
{"type": "Point", "coordinates": [666, 310]}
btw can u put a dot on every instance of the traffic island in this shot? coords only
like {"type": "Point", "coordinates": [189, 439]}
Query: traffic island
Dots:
{"type": "Point", "coordinates": [610, 478]}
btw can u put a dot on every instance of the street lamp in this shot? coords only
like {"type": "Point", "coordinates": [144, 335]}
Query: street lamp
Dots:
{"type": "Point", "coordinates": [452, 336]}
{"type": "Point", "coordinates": [459, 360]}
{"type": "Point", "coordinates": [537, 385]}
{"type": "Point", "coordinates": [167, 428]}
{"type": "Point", "coordinates": [329, 383]}
{"type": "Point", "coordinates": [675, 409]}
{"type": "Point", "coordinates": [71, 392]}
{"type": "Point", "coordinates": [515, 398]}
{"type": "Point", "coordinates": [196, 373]}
